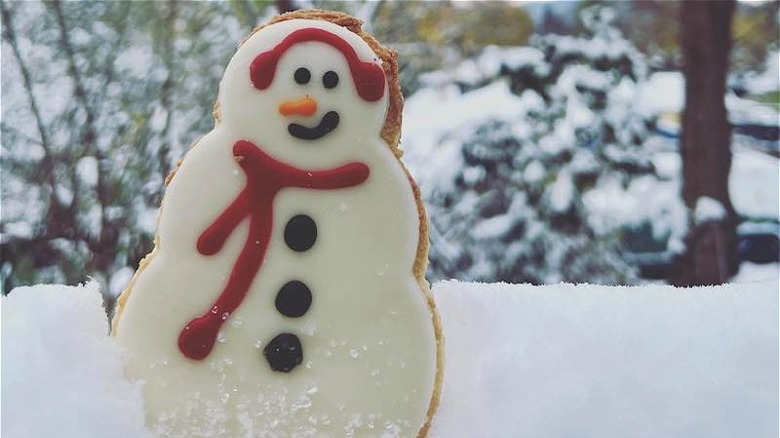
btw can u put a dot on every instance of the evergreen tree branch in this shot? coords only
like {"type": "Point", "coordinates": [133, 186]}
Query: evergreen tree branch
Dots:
{"type": "Point", "coordinates": [88, 135]}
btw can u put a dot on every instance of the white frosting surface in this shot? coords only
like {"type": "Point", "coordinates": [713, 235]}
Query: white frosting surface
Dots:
{"type": "Point", "coordinates": [369, 347]}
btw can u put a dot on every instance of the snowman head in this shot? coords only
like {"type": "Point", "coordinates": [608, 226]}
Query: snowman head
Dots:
{"type": "Point", "coordinates": [311, 93]}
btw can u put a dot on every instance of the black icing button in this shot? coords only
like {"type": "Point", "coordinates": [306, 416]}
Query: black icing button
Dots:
{"type": "Point", "coordinates": [300, 233]}
{"type": "Point", "coordinates": [284, 352]}
{"type": "Point", "coordinates": [293, 299]}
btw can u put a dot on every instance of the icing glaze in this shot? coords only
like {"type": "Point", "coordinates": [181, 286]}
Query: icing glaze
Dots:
{"type": "Point", "coordinates": [284, 352]}
{"type": "Point", "coordinates": [329, 122]}
{"type": "Point", "coordinates": [302, 75]}
{"type": "Point", "coordinates": [368, 77]}
{"type": "Point", "coordinates": [360, 357]}
{"type": "Point", "coordinates": [330, 79]}
{"type": "Point", "coordinates": [265, 178]}
{"type": "Point", "coordinates": [300, 233]}
{"type": "Point", "coordinates": [293, 299]}
{"type": "Point", "coordinates": [303, 107]}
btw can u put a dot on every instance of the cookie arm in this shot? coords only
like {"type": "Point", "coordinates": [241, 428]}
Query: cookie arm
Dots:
{"type": "Point", "coordinates": [215, 236]}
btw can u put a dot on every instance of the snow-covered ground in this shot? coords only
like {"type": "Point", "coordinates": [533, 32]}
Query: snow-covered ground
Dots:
{"type": "Point", "coordinates": [61, 374]}
{"type": "Point", "coordinates": [592, 361]}
{"type": "Point", "coordinates": [549, 361]}
{"type": "Point", "coordinates": [758, 273]}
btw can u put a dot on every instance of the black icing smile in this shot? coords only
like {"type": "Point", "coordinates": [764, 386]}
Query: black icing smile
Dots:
{"type": "Point", "coordinates": [328, 123]}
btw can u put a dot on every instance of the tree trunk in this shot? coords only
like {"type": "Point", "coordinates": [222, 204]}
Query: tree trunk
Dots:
{"type": "Point", "coordinates": [705, 143]}
{"type": "Point", "coordinates": [286, 6]}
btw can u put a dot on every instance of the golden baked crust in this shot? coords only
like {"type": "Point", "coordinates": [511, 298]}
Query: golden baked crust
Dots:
{"type": "Point", "coordinates": [391, 133]}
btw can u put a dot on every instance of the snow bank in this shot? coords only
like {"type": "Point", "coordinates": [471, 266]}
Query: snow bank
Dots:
{"type": "Point", "coordinates": [521, 360]}
{"type": "Point", "coordinates": [61, 374]}
{"type": "Point", "coordinates": [758, 273]}
{"type": "Point", "coordinates": [598, 361]}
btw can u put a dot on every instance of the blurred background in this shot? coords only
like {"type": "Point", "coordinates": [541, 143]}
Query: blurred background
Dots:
{"type": "Point", "coordinates": [579, 141]}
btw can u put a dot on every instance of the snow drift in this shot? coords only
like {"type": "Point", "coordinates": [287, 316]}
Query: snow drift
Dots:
{"type": "Point", "coordinates": [521, 360]}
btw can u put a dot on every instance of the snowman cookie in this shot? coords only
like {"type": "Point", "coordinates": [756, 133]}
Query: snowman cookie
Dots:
{"type": "Point", "coordinates": [285, 294]}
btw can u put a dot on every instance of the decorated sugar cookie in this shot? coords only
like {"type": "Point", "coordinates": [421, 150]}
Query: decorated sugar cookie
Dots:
{"type": "Point", "coordinates": [285, 295]}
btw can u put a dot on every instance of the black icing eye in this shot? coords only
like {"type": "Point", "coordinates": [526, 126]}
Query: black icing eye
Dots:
{"type": "Point", "coordinates": [302, 76]}
{"type": "Point", "coordinates": [330, 79]}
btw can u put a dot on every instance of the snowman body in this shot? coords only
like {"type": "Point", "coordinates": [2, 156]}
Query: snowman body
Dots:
{"type": "Point", "coordinates": [367, 355]}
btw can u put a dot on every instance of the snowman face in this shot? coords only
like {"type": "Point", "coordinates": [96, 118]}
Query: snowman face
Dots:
{"type": "Point", "coordinates": [311, 113]}
{"type": "Point", "coordinates": [324, 121]}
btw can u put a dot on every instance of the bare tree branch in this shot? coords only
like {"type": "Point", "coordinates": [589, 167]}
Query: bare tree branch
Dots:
{"type": "Point", "coordinates": [89, 141]}
{"type": "Point", "coordinates": [47, 162]}
{"type": "Point", "coordinates": [88, 136]}
{"type": "Point", "coordinates": [8, 128]}
{"type": "Point", "coordinates": [109, 72]}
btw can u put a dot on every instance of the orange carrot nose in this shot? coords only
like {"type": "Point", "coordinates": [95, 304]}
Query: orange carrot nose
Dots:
{"type": "Point", "coordinates": [301, 107]}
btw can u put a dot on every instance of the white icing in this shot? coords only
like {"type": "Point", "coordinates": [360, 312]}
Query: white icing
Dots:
{"type": "Point", "coordinates": [368, 339]}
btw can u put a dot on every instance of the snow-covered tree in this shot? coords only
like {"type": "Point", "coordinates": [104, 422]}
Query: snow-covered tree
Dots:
{"type": "Point", "coordinates": [547, 191]}
{"type": "Point", "coordinates": [99, 102]}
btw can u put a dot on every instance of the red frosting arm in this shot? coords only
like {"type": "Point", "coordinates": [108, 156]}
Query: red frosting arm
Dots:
{"type": "Point", "coordinates": [348, 175]}
{"type": "Point", "coordinates": [215, 236]}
